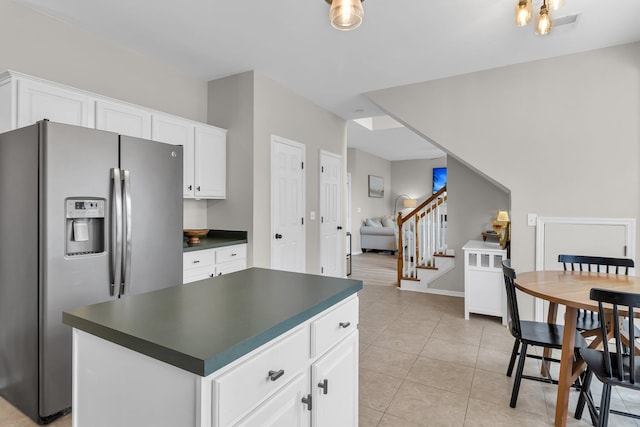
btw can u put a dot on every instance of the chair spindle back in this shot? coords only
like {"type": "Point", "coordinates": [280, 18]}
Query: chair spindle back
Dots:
{"type": "Point", "coordinates": [512, 302]}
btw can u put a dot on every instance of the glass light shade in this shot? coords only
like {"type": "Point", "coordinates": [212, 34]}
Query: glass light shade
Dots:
{"type": "Point", "coordinates": [555, 4]}
{"type": "Point", "coordinates": [409, 203]}
{"type": "Point", "coordinates": [523, 12]}
{"type": "Point", "coordinates": [543, 21]}
{"type": "Point", "coordinates": [346, 14]}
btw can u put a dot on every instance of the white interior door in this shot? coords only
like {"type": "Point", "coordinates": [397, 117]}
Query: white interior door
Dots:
{"type": "Point", "coordinates": [331, 233]}
{"type": "Point", "coordinates": [287, 205]}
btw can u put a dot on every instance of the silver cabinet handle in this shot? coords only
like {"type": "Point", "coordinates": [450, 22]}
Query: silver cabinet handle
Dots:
{"type": "Point", "coordinates": [116, 230]}
{"type": "Point", "coordinates": [275, 375]}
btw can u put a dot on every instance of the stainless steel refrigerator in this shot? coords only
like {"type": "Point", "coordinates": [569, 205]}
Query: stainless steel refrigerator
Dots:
{"type": "Point", "coordinates": [85, 216]}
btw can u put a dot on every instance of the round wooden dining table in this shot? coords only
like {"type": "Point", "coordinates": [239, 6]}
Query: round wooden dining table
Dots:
{"type": "Point", "coordinates": [571, 289]}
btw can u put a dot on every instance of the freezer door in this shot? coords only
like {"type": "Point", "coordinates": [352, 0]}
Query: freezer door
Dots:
{"type": "Point", "coordinates": [76, 163]}
{"type": "Point", "coordinates": [152, 198]}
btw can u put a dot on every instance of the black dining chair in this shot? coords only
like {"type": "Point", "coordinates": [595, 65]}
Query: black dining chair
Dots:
{"type": "Point", "coordinates": [528, 333]}
{"type": "Point", "coordinates": [612, 368]}
{"type": "Point", "coordinates": [588, 321]}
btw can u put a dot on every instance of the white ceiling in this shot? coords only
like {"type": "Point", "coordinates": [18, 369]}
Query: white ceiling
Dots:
{"type": "Point", "coordinates": [292, 42]}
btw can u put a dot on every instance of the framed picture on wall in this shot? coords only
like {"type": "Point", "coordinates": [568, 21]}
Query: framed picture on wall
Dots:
{"type": "Point", "coordinates": [376, 186]}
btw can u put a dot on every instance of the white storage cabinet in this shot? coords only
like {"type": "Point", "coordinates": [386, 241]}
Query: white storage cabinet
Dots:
{"type": "Point", "coordinates": [306, 377]}
{"type": "Point", "coordinates": [205, 263]}
{"type": "Point", "coordinates": [26, 99]}
{"type": "Point", "coordinates": [484, 291]}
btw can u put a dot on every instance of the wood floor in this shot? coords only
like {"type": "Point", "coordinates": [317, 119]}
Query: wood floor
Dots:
{"type": "Point", "coordinates": [374, 268]}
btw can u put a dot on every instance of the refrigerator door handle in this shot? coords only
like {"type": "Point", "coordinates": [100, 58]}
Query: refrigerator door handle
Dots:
{"type": "Point", "coordinates": [116, 230]}
{"type": "Point", "coordinates": [126, 256]}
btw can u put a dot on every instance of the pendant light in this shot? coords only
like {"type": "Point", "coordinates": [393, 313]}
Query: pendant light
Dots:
{"type": "Point", "coordinates": [345, 15]}
{"type": "Point", "coordinates": [543, 20]}
{"type": "Point", "coordinates": [523, 12]}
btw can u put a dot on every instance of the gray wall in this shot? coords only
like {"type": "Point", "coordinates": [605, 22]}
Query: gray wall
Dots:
{"type": "Point", "coordinates": [231, 107]}
{"type": "Point", "coordinates": [266, 108]}
{"type": "Point", "coordinates": [472, 203]}
{"type": "Point", "coordinates": [361, 164]}
{"type": "Point", "coordinates": [413, 178]}
{"type": "Point", "coordinates": [561, 134]}
{"type": "Point", "coordinates": [44, 47]}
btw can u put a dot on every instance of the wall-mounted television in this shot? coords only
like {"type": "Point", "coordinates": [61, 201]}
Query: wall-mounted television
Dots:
{"type": "Point", "coordinates": [439, 179]}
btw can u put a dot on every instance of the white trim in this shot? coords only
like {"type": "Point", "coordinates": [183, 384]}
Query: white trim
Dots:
{"type": "Point", "coordinates": [630, 236]}
{"type": "Point", "coordinates": [410, 285]}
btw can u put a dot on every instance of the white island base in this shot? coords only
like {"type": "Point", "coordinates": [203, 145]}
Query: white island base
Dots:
{"type": "Point", "coordinates": [307, 376]}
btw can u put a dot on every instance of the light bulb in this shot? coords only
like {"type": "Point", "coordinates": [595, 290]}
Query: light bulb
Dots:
{"type": "Point", "coordinates": [523, 12]}
{"type": "Point", "coordinates": [346, 14]}
{"type": "Point", "coordinates": [555, 4]}
{"type": "Point", "coordinates": [543, 22]}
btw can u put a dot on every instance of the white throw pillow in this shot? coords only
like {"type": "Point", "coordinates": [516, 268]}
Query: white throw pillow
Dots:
{"type": "Point", "coordinates": [373, 222]}
{"type": "Point", "coordinates": [388, 222]}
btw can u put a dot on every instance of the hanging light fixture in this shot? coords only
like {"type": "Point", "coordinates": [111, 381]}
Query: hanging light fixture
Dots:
{"type": "Point", "coordinates": [345, 15]}
{"type": "Point", "coordinates": [523, 12]}
{"type": "Point", "coordinates": [543, 19]}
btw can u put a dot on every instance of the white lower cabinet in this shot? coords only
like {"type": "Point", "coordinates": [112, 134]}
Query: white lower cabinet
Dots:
{"type": "Point", "coordinates": [334, 381]}
{"type": "Point", "coordinates": [285, 408]}
{"type": "Point", "coordinates": [278, 384]}
{"type": "Point", "coordinates": [205, 263]}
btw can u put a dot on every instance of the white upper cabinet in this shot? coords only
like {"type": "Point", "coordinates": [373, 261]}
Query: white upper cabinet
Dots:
{"type": "Point", "coordinates": [25, 99]}
{"type": "Point", "coordinates": [123, 119]}
{"type": "Point", "coordinates": [176, 131]}
{"type": "Point", "coordinates": [210, 161]}
{"type": "Point", "coordinates": [204, 152]}
{"type": "Point", "coordinates": [37, 101]}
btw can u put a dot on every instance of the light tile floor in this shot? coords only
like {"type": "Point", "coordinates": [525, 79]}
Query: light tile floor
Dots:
{"type": "Point", "coordinates": [423, 364]}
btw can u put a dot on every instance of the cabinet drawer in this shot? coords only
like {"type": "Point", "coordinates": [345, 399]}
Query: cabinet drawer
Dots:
{"type": "Point", "coordinates": [195, 274]}
{"type": "Point", "coordinates": [248, 384]}
{"type": "Point", "coordinates": [230, 267]}
{"type": "Point", "coordinates": [231, 253]}
{"type": "Point", "coordinates": [333, 326]}
{"type": "Point", "coordinates": [197, 259]}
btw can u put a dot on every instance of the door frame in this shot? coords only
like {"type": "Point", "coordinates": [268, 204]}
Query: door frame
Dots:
{"type": "Point", "coordinates": [275, 139]}
{"type": "Point", "coordinates": [541, 222]}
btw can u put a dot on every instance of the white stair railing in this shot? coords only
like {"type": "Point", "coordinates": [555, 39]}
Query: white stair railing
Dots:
{"type": "Point", "coordinates": [422, 234]}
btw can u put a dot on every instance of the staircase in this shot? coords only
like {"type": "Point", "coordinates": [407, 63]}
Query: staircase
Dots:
{"type": "Point", "coordinates": [422, 244]}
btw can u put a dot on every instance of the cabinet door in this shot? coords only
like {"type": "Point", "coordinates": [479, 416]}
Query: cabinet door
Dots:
{"type": "Point", "coordinates": [285, 408]}
{"type": "Point", "coordinates": [210, 162]}
{"type": "Point", "coordinates": [334, 385]}
{"type": "Point", "coordinates": [37, 101]}
{"type": "Point", "coordinates": [123, 119]}
{"type": "Point", "coordinates": [174, 131]}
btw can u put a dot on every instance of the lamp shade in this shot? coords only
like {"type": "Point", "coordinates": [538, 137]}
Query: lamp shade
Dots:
{"type": "Point", "coordinates": [503, 216]}
{"type": "Point", "coordinates": [409, 203]}
{"type": "Point", "coordinates": [346, 15]}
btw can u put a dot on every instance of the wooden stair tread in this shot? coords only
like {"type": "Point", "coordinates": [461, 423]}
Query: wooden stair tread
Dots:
{"type": "Point", "coordinates": [413, 279]}
{"type": "Point", "coordinates": [426, 267]}
{"type": "Point", "coordinates": [444, 256]}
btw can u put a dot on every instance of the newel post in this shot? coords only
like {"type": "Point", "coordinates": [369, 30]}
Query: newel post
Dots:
{"type": "Point", "coordinates": [400, 248]}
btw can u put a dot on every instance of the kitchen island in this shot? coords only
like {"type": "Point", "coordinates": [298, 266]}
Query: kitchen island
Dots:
{"type": "Point", "coordinates": [255, 347]}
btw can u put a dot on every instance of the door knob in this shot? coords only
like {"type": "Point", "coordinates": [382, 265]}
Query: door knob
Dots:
{"type": "Point", "coordinates": [278, 236]}
{"type": "Point", "coordinates": [191, 187]}
{"type": "Point", "coordinates": [198, 188]}
{"type": "Point", "coordinates": [339, 227]}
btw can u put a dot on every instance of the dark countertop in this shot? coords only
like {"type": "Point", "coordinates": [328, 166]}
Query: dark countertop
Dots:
{"type": "Point", "coordinates": [217, 239]}
{"type": "Point", "coordinates": [205, 325]}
